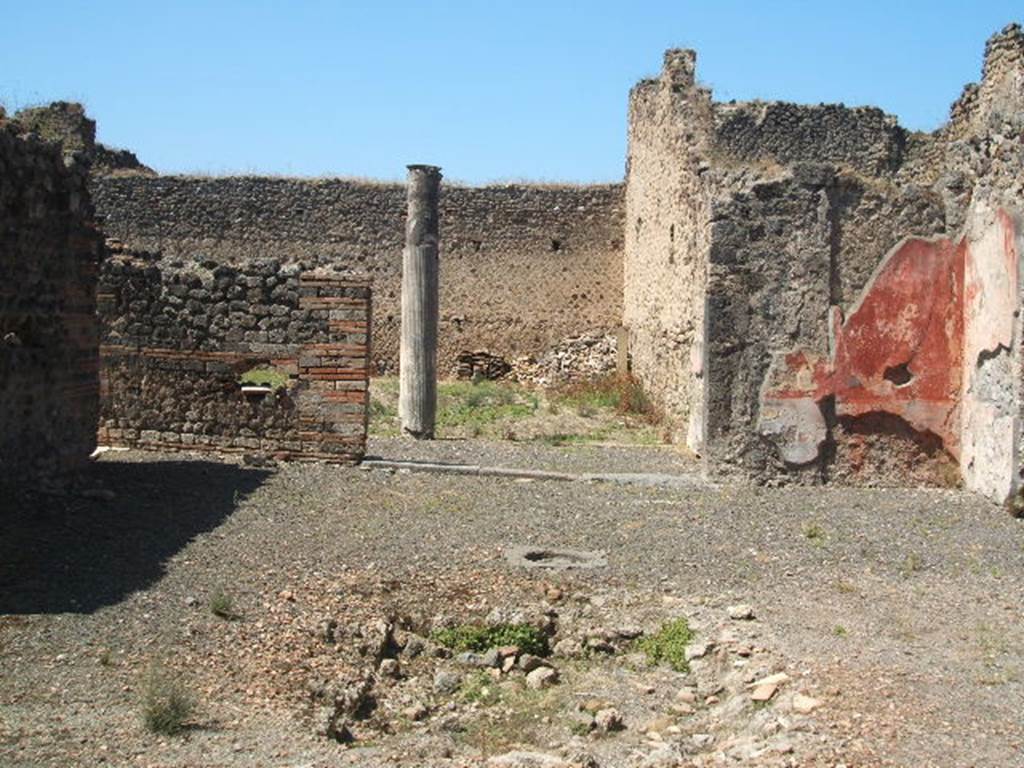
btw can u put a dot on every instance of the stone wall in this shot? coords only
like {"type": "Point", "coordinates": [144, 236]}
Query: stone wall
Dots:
{"type": "Point", "coordinates": [49, 252]}
{"type": "Point", "coordinates": [840, 285]}
{"type": "Point", "coordinates": [66, 123]}
{"type": "Point", "coordinates": [185, 343]}
{"type": "Point", "coordinates": [522, 267]}
{"type": "Point", "coordinates": [667, 242]}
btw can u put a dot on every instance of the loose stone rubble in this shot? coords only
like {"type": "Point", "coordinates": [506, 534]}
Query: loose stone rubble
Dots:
{"type": "Point", "coordinates": [373, 672]}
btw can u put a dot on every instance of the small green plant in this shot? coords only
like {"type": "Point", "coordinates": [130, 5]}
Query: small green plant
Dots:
{"type": "Point", "coordinates": [480, 688]}
{"type": "Point", "coordinates": [912, 563]}
{"type": "Point", "coordinates": [814, 533]}
{"type": "Point", "coordinates": [473, 406]}
{"type": "Point", "coordinates": [839, 631]}
{"type": "Point", "coordinates": [166, 704]}
{"type": "Point", "coordinates": [668, 644]}
{"type": "Point", "coordinates": [223, 605]}
{"type": "Point", "coordinates": [846, 587]}
{"type": "Point", "coordinates": [264, 376]}
{"type": "Point", "coordinates": [480, 638]}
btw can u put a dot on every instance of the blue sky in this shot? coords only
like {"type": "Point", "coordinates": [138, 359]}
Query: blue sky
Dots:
{"type": "Point", "coordinates": [488, 90]}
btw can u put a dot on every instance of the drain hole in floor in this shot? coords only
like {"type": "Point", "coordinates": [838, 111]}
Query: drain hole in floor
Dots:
{"type": "Point", "coordinates": [546, 557]}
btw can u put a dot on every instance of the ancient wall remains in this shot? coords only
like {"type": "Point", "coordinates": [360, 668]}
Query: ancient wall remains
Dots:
{"type": "Point", "coordinates": [858, 292]}
{"type": "Point", "coordinates": [522, 267]}
{"type": "Point", "coordinates": [268, 356]}
{"type": "Point", "coordinates": [667, 240]}
{"type": "Point", "coordinates": [67, 124]}
{"type": "Point", "coordinates": [49, 252]}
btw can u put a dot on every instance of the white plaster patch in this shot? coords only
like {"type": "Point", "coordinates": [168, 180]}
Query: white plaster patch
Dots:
{"type": "Point", "coordinates": [988, 427]}
{"type": "Point", "coordinates": [796, 426]}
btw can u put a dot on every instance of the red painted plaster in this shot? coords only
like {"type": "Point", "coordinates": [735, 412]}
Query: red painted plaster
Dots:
{"type": "Point", "coordinates": [910, 314]}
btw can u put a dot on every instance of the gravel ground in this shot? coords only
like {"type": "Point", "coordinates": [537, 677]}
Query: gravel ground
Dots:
{"type": "Point", "coordinates": [905, 605]}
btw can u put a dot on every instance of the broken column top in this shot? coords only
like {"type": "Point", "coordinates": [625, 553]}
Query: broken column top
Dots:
{"type": "Point", "coordinates": [427, 169]}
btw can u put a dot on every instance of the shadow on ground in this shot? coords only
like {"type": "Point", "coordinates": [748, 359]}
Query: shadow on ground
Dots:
{"type": "Point", "coordinates": [78, 553]}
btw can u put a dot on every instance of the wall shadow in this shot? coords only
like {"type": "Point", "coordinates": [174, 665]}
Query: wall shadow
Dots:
{"type": "Point", "coordinates": [77, 553]}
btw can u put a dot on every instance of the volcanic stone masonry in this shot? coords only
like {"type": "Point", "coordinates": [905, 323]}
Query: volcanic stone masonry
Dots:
{"type": "Point", "coordinates": [49, 254]}
{"type": "Point", "coordinates": [266, 357]}
{"type": "Point", "coordinates": [523, 267]}
{"type": "Point", "coordinates": [815, 293]}
{"type": "Point", "coordinates": [810, 293]}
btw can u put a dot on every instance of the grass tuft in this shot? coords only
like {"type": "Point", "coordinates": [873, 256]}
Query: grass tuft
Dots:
{"type": "Point", "coordinates": [668, 644]}
{"type": "Point", "coordinates": [480, 688]}
{"type": "Point", "coordinates": [619, 393]}
{"type": "Point", "coordinates": [476, 405]}
{"type": "Point", "coordinates": [166, 704]}
{"type": "Point", "coordinates": [223, 606]}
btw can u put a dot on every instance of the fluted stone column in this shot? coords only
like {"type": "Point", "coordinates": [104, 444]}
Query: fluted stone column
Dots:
{"type": "Point", "coordinates": [417, 394]}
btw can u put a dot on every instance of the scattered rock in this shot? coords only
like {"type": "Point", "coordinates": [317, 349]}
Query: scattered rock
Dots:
{"type": "Point", "coordinates": [740, 612]}
{"type": "Point", "coordinates": [629, 632]}
{"type": "Point", "coordinates": [447, 681]}
{"type": "Point", "coordinates": [414, 646]}
{"type": "Point", "coordinates": [491, 658]}
{"type": "Point", "coordinates": [659, 724]}
{"type": "Point", "coordinates": [764, 692]}
{"type": "Point", "coordinates": [568, 648]}
{"type": "Point", "coordinates": [608, 720]}
{"type": "Point", "coordinates": [542, 677]}
{"type": "Point", "coordinates": [416, 712]}
{"type": "Point", "coordinates": [804, 705]}
{"type": "Point", "coordinates": [345, 702]}
{"type": "Point", "coordinates": [698, 650]}
{"type": "Point", "coordinates": [389, 668]}
{"type": "Point", "coordinates": [776, 679]}
{"type": "Point", "coordinates": [702, 740]}
{"type": "Point", "coordinates": [765, 688]}
{"type": "Point", "coordinates": [523, 759]}
{"type": "Point", "coordinates": [663, 756]}
{"type": "Point", "coordinates": [687, 695]}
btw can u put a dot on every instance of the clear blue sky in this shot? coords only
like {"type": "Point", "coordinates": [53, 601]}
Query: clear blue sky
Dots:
{"type": "Point", "coordinates": [488, 90]}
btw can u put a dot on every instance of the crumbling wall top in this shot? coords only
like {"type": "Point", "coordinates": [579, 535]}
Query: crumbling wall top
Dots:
{"type": "Point", "coordinates": [66, 123]}
{"type": "Point", "coordinates": [680, 67]}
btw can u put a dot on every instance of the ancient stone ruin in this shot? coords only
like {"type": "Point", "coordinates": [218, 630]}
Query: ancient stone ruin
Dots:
{"type": "Point", "coordinates": [809, 293]}
{"type": "Point", "coordinates": [49, 255]}
{"type": "Point", "coordinates": [813, 291]}
{"type": "Point", "coordinates": [262, 357]}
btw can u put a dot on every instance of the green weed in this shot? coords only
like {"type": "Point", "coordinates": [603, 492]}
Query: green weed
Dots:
{"type": "Point", "coordinates": [668, 644]}
{"type": "Point", "coordinates": [166, 704]}
{"type": "Point", "coordinates": [480, 638]}
{"type": "Point", "coordinates": [223, 606]}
